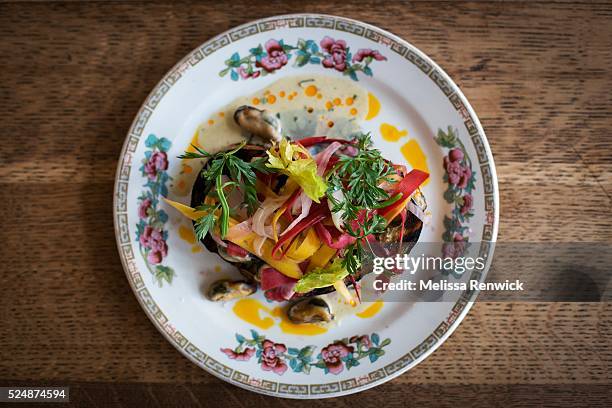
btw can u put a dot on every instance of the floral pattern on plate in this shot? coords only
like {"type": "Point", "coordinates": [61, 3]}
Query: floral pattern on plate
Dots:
{"type": "Point", "coordinates": [169, 105]}
{"type": "Point", "coordinates": [460, 179]}
{"type": "Point", "coordinates": [333, 358]}
{"type": "Point", "coordinates": [150, 229]}
{"type": "Point", "coordinates": [275, 54]}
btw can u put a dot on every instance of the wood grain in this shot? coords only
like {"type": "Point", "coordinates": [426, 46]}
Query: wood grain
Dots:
{"type": "Point", "coordinates": [74, 76]}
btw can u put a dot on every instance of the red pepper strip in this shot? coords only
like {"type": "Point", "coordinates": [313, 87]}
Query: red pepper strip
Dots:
{"type": "Point", "coordinates": [324, 235]}
{"type": "Point", "coordinates": [315, 140]}
{"type": "Point", "coordinates": [287, 216]}
{"type": "Point", "coordinates": [411, 182]}
{"type": "Point", "coordinates": [319, 214]}
{"type": "Point", "coordinates": [406, 187]}
{"type": "Point", "coordinates": [286, 207]}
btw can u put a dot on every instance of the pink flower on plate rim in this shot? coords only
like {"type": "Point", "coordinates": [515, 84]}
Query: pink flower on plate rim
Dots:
{"type": "Point", "coordinates": [468, 202]}
{"type": "Point", "coordinates": [332, 356]}
{"type": "Point", "coordinates": [242, 356]}
{"type": "Point", "coordinates": [157, 162]}
{"type": "Point", "coordinates": [363, 53]}
{"type": "Point", "coordinates": [144, 207]}
{"type": "Point", "coordinates": [455, 154]}
{"type": "Point", "coordinates": [153, 240]}
{"type": "Point", "coordinates": [270, 360]}
{"type": "Point", "coordinates": [276, 58]}
{"type": "Point", "coordinates": [336, 51]}
{"type": "Point", "coordinates": [458, 174]}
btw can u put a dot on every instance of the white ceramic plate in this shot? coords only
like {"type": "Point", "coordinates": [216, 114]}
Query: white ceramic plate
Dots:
{"type": "Point", "coordinates": [166, 271]}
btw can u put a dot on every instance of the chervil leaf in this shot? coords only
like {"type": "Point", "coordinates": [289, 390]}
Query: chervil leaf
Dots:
{"type": "Point", "coordinates": [204, 225]}
{"type": "Point", "coordinates": [242, 176]}
{"type": "Point", "coordinates": [358, 177]}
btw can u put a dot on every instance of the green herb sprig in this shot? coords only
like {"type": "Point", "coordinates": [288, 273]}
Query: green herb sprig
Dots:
{"type": "Point", "coordinates": [241, 175]}
{"type": "Point", "coordinates": [358, 177]}
{"type": "Point", "coordinates": [354, 253]}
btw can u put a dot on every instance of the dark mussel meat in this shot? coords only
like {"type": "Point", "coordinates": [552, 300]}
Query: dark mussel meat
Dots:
{"type": "Point", "coordinates": [259, 122]}
{"type": "Point", "coordinates": [310, 310]}
{"type": "Point", "coordinates": [224, 290]}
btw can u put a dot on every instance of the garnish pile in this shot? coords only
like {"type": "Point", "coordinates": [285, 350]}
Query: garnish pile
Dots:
{"type": "Point", "coordinates": [310, 218]}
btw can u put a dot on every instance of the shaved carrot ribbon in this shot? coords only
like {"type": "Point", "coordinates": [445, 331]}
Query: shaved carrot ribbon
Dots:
{"type": "Point", "coordinates": [287, 204]}
{"type": "Point", "coordinates": [319, 214]}
{"type": "Point", "coordinates": [277, 215]}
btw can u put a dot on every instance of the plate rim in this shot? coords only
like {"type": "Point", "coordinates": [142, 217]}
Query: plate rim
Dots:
{"type": "Point", "coordinates": [480, 131]}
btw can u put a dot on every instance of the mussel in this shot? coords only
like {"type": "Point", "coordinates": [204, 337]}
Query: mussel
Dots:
{"type": "Point", "coordinates": [310, 310]}
{"type": "Point", "coordinates": [224, 290]}
{"type": "Point", "coordinates": [259, 122]}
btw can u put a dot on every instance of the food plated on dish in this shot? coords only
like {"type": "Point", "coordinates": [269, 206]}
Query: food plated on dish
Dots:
{"type": "Point", "coordinates": [297, 216]}
{"type": "Point", "coordinates": [262, 175]}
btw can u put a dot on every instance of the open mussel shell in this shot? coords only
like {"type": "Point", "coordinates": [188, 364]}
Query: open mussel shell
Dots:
{"type": "Point", "coordinates": [260, 123]}
{"type": "Point", "coordinates": [310, 310]}
{"type": "Point", "coordinates": [225, 289]}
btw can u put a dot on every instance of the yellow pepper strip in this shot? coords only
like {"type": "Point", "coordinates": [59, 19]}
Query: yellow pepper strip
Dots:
{"type": "Point", "coordinates": [344, 291]}
{"type": "Point", "coordinates": [191, 213]}
{"type": "Point", "coordinates": [187, 211]}
{"type": "Point", "coordinates": [284, 266]}
{"type": "Point", "coordinates": [277, 215]}
{"type": "Point", "coordinates": [322, 258]}
{"type": "Point", "coordinates": [306, 248]}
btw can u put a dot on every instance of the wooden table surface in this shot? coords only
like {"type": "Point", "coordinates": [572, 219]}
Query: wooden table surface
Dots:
{"type": "Point", "coordinates": [73, 77]}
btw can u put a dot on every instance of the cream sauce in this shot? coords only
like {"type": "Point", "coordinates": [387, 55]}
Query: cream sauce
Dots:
{"type": "Point", "coordinates": [307, 105]}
